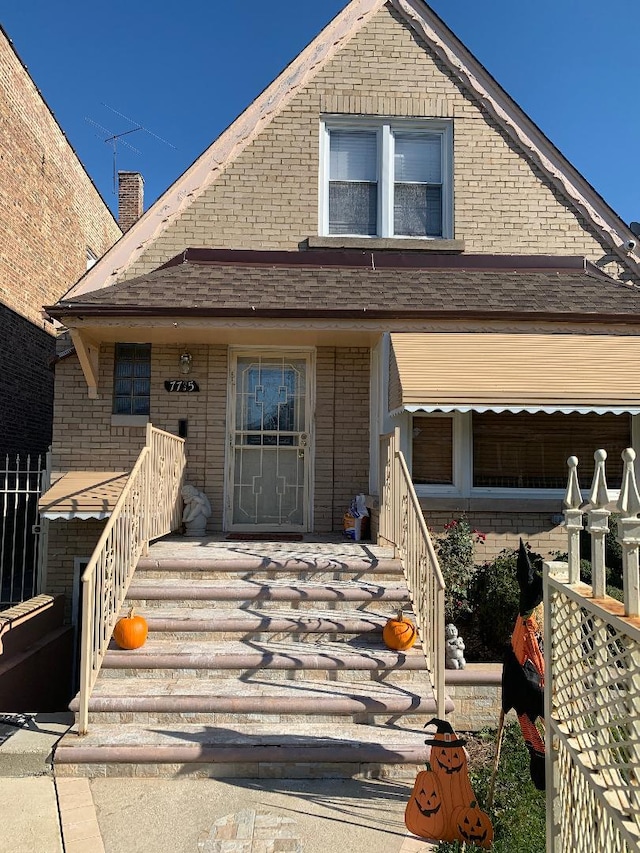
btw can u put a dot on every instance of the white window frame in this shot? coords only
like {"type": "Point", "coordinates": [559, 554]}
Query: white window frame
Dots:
{"type": "Point", "coordinates": [91, 258]}
{"type": "Point", "coordinates": [460, 484]}
{"type": "Point", "coordinates": [385, 129]}
{"type": "Point", "coordinates": [463, 466]}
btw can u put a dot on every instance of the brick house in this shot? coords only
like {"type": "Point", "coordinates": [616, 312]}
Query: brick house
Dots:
{"type": "Point", "coordinates": [54, 223]}
{"type": "Point", "coordinates": [382, 239]}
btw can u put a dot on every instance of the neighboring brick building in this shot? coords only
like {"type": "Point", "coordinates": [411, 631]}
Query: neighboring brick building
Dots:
{"type": "Point", "coordinates": [53, 219]}
{"type": "Point", "coordinates": [381, 209]}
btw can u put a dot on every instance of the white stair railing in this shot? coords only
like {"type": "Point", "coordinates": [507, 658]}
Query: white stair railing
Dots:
{"type": "Point", "coordinates": [148, 507]}
{"type": "Point", "coordinates": [402, 524]}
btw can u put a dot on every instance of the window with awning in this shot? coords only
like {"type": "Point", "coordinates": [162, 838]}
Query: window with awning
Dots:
{"type": "Point", "coordinates": [503, 372]}
{"type": "Point", "coordinates": [523, 403]}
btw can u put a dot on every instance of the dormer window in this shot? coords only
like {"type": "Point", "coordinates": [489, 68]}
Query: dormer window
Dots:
{"type": "Point", "coordinates": [386, 178]}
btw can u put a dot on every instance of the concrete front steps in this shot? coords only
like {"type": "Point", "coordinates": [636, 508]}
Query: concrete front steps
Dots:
{"type": "Point", "coordinates": [263, 660]}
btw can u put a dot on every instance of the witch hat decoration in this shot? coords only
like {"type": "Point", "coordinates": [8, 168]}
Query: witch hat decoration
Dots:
{"type": "Point", "coordinates": [444, 735]}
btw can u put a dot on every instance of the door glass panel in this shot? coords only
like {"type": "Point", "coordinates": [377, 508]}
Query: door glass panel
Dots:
{"type": "Point", "coordinates": [270, 441]}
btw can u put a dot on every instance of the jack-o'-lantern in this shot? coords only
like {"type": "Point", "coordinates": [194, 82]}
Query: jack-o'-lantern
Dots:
{"type": "Point", "coordinates": [473, 825]}
{"type": "Point", "coordinates": [424, 815]}
{"type": "Point", "coordinates": [449, 762]}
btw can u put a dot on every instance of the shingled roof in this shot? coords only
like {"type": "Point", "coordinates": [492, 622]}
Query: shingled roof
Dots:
{"type": "Point", "coordinates": [349, 284]}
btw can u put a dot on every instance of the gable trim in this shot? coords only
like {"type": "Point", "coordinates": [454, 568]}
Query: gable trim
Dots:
{"type": "Point", "coordinates": [520, 128]}
{"type": "Point", "coordinates": [471, 73]}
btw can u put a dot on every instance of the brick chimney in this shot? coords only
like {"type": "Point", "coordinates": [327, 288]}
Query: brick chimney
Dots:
{"type": "Point", "coordinates": [130, 198]}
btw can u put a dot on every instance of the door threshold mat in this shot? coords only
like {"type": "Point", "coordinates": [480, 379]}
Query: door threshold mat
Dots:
{"type": "Point", "coordinates": [265, 537]}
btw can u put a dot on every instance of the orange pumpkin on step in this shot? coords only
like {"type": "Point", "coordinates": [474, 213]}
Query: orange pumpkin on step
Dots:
{"type": "Point", "coordinates": [424, 815]}
{"type": "Point", "coordinates": [131, 631]}
{"type": "Point", "coordinates": [399, 634]}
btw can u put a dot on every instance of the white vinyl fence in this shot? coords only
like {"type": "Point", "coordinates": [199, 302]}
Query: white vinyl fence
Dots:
{"type": "Point", "coordinates": [592, 683]}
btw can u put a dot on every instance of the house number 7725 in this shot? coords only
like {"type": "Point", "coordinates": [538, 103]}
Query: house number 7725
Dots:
{"type": "Point", "coordinates": [181, 385]}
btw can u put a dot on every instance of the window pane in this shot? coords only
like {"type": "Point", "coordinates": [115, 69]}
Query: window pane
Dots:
{"type": "Point", "coordinates": [418, 158]}
{"type": "Point", "coordinates": [530, 451]}
{"type": "Point", "coordinates": [432, 457]}
{"type": "Point", "coordinates": [140, 406]}
{"type": "Point", "coordinates": [353, 156]}
{"type": "Point", "coordinates": [123, 367]}
{"type": "Point", "coordinates": [417, 210]}
{"type": "Point", "coordinates": [353, 208]}
{"type": "Point", "coordinates": [122, 406]}
{"type": "Point", "coordinates": [123, 387]}
{"type": "Point", "coordinates": [132, 371]}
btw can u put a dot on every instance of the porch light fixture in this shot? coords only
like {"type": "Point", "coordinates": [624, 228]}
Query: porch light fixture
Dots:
{"type": "Point", "coordinates": [185, 362]}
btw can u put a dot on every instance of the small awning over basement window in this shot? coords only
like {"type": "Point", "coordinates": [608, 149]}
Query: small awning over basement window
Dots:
{"type": "Point", "coordinates": [83, 494]}
{"type": "Point", "coordinates": [484, 372]}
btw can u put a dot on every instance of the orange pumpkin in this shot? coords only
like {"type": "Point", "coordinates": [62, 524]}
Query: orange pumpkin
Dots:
{"type": "Point", "coordinates": [131, 631]}
{"type": "Point", "coordinates": [399, 633]}
{"type": "Point", "coordinates": [424, 815]}
{"type": "Point", "coordinates": [473, 825]}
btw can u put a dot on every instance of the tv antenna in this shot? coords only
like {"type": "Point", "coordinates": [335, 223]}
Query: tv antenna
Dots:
{"type": "Point", "coordinates": [114, 138]}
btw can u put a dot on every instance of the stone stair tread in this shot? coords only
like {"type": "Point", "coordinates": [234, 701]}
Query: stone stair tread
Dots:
{"type": "Point", "coordinates": [281, 678]}
{"type": "Point", "coordinates": [256, 565]}
{"type": "Point", "coordinates": [265, 553]}
{"type": "Point", "coordinates": [178, 618]}
{"type": "Point", "coordinates": [163, 734]}
{"type": "Point", "coordinates": [251, 653]}
{"type": "Point", "coordinates": [254, 687]}
{"type": "Point", "coordinates": [250, 742]}
{"type": "Point", "coordinates": [241, 590]}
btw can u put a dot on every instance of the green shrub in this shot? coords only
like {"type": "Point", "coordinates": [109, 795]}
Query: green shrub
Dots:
{"type": "Point", "coordinates": [494, 598]}
{"type": "Point", "coordinates": [455, 550]}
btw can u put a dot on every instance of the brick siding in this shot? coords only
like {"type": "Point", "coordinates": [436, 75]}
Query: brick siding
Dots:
{"type": "Point", "coordinates": [51, 215]}
{"type": "Point", "coordinates": [504, 529]}
{"type": "Point", "coordinates": [68, 540]}
{"type": "Point", "coordinates": [26, 385]}
{"type": "Point", "coordinates": [86, 440]}
{"type": "Point", "coordinates": [130, 198]}
{"type": "Point", "coordinates": [268, 196]}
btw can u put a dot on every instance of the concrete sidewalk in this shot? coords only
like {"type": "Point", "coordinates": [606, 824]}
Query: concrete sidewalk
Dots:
{"type": "Point", "coordinates": [40, 814]}
{"type": "Point", "coordinates": [29, 816]}
{"type": "Point", "coordinates": [253, 816]}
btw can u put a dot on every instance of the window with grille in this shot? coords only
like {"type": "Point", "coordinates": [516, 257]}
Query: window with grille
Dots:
{"type": "Point", "coordinates": [387, 179]}
{"type": "Point", "coordinates": [132, 379]}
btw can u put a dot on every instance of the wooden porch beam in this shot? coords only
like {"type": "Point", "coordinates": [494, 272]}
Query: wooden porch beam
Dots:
{"type": "Point", "coordinates": [88, 351]}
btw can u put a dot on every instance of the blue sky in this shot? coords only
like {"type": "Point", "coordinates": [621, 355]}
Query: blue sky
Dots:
{"type": "Point", "coordinates": [185, 70]}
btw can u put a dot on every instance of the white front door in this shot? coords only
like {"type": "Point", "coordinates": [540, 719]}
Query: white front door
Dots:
{"type": "Point", "coordinates": [269, 441]}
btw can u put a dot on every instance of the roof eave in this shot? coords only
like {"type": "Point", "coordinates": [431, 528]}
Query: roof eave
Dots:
{"type": "Point", "coordinates": [80, 312]}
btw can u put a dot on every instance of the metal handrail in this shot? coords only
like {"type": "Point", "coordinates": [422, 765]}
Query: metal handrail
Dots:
{"type": "Point", "coordinates": [402, 524]}
{"type": "Point", "coordinates": [147, 508]}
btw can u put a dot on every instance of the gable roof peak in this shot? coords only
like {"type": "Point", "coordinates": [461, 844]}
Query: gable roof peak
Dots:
{"type": "Point", "coordinates": [450, 50]}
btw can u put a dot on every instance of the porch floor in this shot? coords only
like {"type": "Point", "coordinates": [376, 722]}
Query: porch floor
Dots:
{"type": "Point", "coordinates": [313, 545]}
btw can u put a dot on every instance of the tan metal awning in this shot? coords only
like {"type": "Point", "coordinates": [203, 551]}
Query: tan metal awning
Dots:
{"type": "Point", "coordinates": [514, 373]}
{"type": "Point", "coordinates": [83, 494]}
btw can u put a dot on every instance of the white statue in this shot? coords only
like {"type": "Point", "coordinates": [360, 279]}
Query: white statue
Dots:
{"type": "Point", "coordinates": [453, 648]}
{"type": "Point", "coordinates": [197, 510]}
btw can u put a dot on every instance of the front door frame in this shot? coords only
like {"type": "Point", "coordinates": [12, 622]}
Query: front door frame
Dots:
{"type": "Point", "coordinates": [309, 354]}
